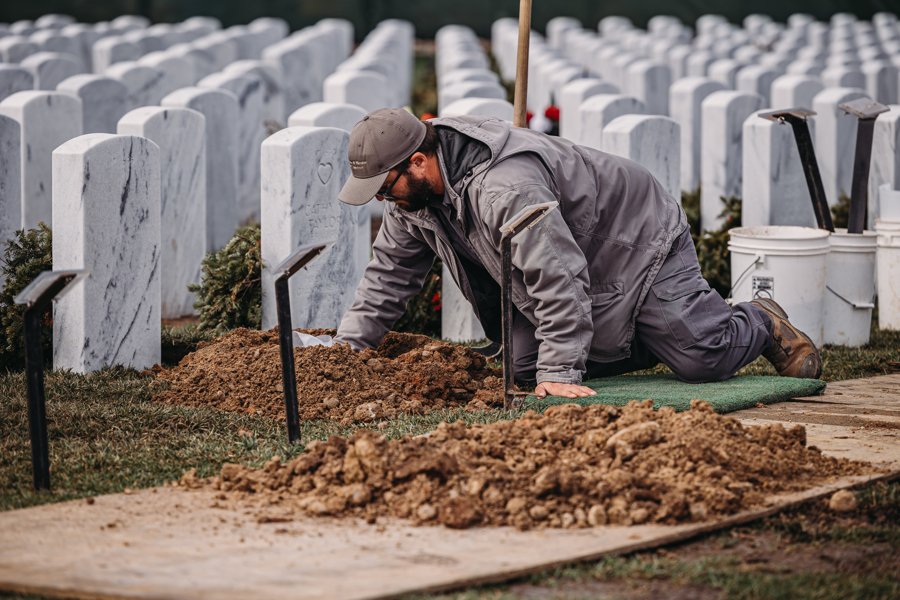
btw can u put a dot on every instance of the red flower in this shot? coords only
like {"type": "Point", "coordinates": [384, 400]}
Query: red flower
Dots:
{"type": "Point", "coordinates": [427, 115]}
{"type": "Point", "coordinates": [552, 113]}
{"type": "Point", "coordinates": [528, 116]}
{"type": "Point", "coordinates": [436, 301]}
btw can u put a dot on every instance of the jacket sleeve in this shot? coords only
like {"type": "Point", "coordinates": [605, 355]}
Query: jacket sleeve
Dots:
{"type": "Point", "coordinates": [554, 271]}
{"type": "Point", "coordinates": [396, 272]}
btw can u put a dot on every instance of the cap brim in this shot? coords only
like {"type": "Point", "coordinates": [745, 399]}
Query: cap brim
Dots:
{"type": "Point", "coordinates": [359, 191]}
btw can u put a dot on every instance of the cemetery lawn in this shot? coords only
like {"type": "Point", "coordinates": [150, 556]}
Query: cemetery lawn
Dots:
{"type": "Point", "coordinates": [107, 436]}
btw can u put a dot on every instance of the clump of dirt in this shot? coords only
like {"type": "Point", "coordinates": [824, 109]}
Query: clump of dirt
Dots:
{"type": "Point", "coordinates": [570, 467]}
{"type": "Point", "coordinates": [241, 371]}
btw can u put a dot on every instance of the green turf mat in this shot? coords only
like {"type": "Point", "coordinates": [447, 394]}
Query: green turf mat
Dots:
{"type": "Point", "coordinates": [665, 390]}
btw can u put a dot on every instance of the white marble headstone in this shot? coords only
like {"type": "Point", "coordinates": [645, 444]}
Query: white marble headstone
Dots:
{"type": "Point", "coordinates": [53, 21]}
{"type": "Point", "coordinates": [469, 75]}
{"type": "Point", "coordinates": [221, 111]}
{"type": "Point", "coordinates": [103, 100]}
{"type": "Point", "coordinates": [249, 90]}
{"type": "Point", "coordinates": [649, 82]}
{"type": "Point", "coordinates": [202, 61]}
{"type": "Point", "coordinates": [649, 140]}
{"type": "Point", "coordinates": [14, 49]}
{"type": "Point", "coordinates": [480, 107]}
{"type": "Point", "coordinates": [49, 68]}
{"type": "Point", "coordinates": [14, 79]}
{"type": "Point", "coordinates": [343, 33]}
{"type": "Point", "coordinates": [85, 36]}
{"type": "Point", "coordinates": [723, 114]}
{"type": "Point", "coordinates": [110, 50]}
{"type": "Point", "coordinates": [10, 181]}
{"type": "Point", "coordinates": [178, 71]}
{"type": "Point", "coordinates": [53, 41]}
{"type": "Point", "coordinates": [106, 220]}
{"type": "Point", "coordinates": [570, 98]}
{"type": "Point", "coordinates": [303, 171]}
{"type": "Point", "coordinates": [757, 79]}
{"type": "Point", "coordinates": [473, 89]}
{"type": "Point", "coordinates": [47, 119]}
{"type": "Point", "coordinates": [724, 71]}
{"type": "Point", "coordinates": [685, 98]}
{"type": "Point", "coordinates": [273, 89]}
{"type": "Point", "coordinates": [843, 76]}
{"type": "Point", "coordinates": [180, 134]}
{"type": "Point", "coordinates": [885, 165]}
{"type": "Point", "coordinates": [294, 60]}
{"type": "Point", "coordinates": [220, 47]}
{"type": "Point", "coordinates": [363, 88]}
{"type": "Point", "coordinates": [881, 80]}
{"type": "Point", "coordinates": [327, 114]}
{"type": "Point", "coordinates": [598, 111]}
{"type": "Point", "coordinates": [698, 63]}
{"type": "Point", "coordinates": [795, 91]}
{"type": "Point", "coordinates": [774, 190]}
{"type": "Point", "coordinates": [146, 85]}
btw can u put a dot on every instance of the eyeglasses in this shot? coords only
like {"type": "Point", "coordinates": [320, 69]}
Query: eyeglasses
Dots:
{"type": "Point", "coordinates": [386, 193]}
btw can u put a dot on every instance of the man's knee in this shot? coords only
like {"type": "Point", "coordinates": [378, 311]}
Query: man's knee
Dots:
{"type": "Point", "coordinates": [697, 370]}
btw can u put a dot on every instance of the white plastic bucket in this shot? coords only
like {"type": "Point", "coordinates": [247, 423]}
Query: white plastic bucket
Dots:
{"type": "Point", "coordinates": [888, 267]}
{"type": "Point", "coordinates": [787, 264]}
{"type": "Point", "coordinates": [850, 292]}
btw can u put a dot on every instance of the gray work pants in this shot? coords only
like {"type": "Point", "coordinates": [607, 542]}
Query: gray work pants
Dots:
{"type": "Point", "coordinates": [683, 324]}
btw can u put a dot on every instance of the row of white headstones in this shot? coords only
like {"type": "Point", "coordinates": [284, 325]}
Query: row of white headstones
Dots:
{"type": "Point", "coordinates": [687, 106]}
{"type": "Point", "coordinates": [166, 172]}
{"type": "Point", "coordinates": [299, 171]}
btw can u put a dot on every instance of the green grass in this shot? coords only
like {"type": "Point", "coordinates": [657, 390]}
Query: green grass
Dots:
{"type": "Point", "coordinates": [106, 434]}
{"type": "Point", "coordinates": [728, 576]}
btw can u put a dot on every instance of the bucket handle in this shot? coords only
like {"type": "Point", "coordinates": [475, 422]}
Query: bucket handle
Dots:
{"type": "Point", "coordinates": [859, 305]}
{"type": "Point", "coordinates": [759, 258]}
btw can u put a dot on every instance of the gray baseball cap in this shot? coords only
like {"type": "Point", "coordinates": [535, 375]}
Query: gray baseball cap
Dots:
{"type": "Point", "coordinates": [381, 141]}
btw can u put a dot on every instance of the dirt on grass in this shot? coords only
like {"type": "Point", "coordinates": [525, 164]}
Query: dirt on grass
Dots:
{"type": "Point", "coordinates": [572, 466]}
{"type": "Point", "coordinates": [411, 374]}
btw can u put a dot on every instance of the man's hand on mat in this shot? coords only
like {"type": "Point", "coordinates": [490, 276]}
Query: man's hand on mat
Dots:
{"type": "Point", "coordinates": [566, 390]}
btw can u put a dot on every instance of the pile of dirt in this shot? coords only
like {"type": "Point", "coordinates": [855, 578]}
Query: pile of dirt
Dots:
{"type": "Point", "coordinates": [572, 466]}
{"type": "Point", "coordinates": [413, 374]}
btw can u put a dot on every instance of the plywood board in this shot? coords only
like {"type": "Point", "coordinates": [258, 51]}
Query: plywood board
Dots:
{"type": "Point", "coordinates": [170, 543]}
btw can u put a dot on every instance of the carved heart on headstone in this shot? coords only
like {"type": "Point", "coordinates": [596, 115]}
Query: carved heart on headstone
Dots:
{"type": "Point", "coordinates": [325, 170]}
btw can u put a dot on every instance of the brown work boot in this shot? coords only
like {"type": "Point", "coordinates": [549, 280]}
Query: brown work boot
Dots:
{"type": "Point", "coordinates": [791, 351]}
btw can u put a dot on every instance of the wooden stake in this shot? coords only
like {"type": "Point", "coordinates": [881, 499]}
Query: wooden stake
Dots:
{"type": "Point", "coordinates": [521, 92]}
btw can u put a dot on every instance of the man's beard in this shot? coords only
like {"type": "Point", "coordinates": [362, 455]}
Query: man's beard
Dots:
{"type": "Point", "coordinates": [420, 195]}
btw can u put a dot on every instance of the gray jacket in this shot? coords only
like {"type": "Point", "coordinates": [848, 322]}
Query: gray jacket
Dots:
{"type": "Point", "coordinates": [580, 276]}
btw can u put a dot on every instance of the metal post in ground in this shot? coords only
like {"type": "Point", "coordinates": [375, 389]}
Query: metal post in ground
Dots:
{"type": "Point", "coordinates": [796, 118]}
{"type": "Point", "coordinates": [866, 111]}
{"type": "Point", "coordinates": [283, 272]}
{"type": "Point", "coordinates": [36, 297]}
{"type": "Point", "coordinates": [526, 218]}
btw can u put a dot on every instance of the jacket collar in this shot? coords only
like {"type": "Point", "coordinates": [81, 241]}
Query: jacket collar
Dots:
{"type": "Point", "coordinates": [493, 133]}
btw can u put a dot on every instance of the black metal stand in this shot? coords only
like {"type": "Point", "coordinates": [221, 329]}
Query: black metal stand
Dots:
{"type": "Point", "coordinates": [37, 297]}
{"type": "Point", "coordinates": [293, 263]}
{"type": "Point", "coordinates": [796, 118]}
{"type": "Point", "coordinates": [866, 111]}
{"type": "Point", "coordinates": [524, 219]}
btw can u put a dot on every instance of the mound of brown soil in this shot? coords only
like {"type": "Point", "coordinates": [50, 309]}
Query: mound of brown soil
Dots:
{"type": "Point", "coordinates": [241, 371]}
{"type": "Point", "coordinates": [570, 467]}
